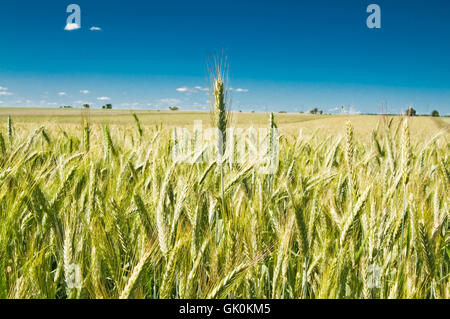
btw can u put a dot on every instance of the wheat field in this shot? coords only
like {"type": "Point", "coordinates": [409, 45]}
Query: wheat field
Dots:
{"type": "Point", "coordinates": [95, 210]}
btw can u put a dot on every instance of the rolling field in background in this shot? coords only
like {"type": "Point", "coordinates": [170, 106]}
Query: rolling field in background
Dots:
{"type": "Point", "coordinates": [288, 123]}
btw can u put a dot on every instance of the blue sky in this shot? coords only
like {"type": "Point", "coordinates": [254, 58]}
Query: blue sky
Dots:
{"type": "Point", "coordinates": [289, 55]}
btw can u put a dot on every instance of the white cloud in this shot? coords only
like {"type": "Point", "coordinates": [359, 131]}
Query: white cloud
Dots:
{"type": "Point", "coordinates": [6, 93]}
{"type": "Point", "coordinates": [1, 102]}
{"type": "Point", "coordinates": [81, 102]}
{"type": "Point", "coordinates": [168, 102]}
{"type": "Point", "coordinates": [3, 88]}
{"type": "Point", "coordinates": [201, 88]}
{"type": "Point", "coordinates": [62, 93]}
{"type": "Point", "coordinates": [130, 104]}
{"type": "Point", "coordinates": [103, 98]}
{"type": "Point", "coordinates": [95, 29]}
{"type": "Point", "coordinates": [334, 109]}
{"type": "Point", "coordinates": [71, 26]}
{"type": "Point", "coordinates": [199, 105]}
{"type": "Point", "coordinates": [84, 91]}
{"type": "Point", "coordinates": [241, 90]}
{"type": "Point", "coordinates": [186, 89]}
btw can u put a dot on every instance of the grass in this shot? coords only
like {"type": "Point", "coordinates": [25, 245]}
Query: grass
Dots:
{"type": "Point", "coordinates": [98, 209]}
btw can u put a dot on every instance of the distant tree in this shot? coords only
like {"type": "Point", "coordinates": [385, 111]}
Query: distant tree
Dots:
{"type": "Point", "coordinates": [320, 112]}
{"type": "Point", "coordinates": [86, 106]}
{"type": "Point", "coordinates": [109, 106]}
{"type": "Point", "coordinates": [435, 113]}
{"type": "Point", "coordinates": [103, 106]}
{"type": "Point", "coordinates": [174, 108]}
{"type": "Point", "coordinates": [411, 112]}
{"type": "Point", "coordinates": [282, 112]}
{"type": "Point", "coordinates": [314, 111]}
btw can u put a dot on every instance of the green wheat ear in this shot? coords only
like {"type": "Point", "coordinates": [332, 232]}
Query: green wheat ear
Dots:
{"type": "Point", "coordinates": [2, 144]}
{"type": "Point", "coordinates": [86, 136]}
{"type": "Point", "coordinates": [220, 111]}
{"type": "Point", "coordinates": [406, 152]}
{"type": "Point", "coordinates": [349, 153]}
{"type": "Point", "coordinates": [272, 137]}
{"type": "Point", "coordinates": [349, 143]}
{"type": "Point", "coordinates": [272, 123]}
{"type": "Point", "coordinates": [10, 130]}
{"type": "Point", "coordinates": [138, 125]}
{"type": "Point", "coordinates": [219, 100]}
